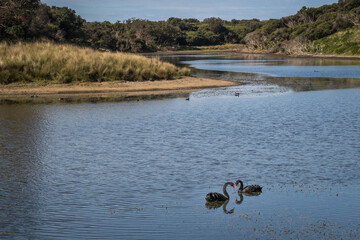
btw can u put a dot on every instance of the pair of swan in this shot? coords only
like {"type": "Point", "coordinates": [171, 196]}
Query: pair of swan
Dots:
{"type": "Point", "coordinates": [218, 197]}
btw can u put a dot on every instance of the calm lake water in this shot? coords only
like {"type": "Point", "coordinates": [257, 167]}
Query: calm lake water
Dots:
{"type": "Point", "coordinates": [141, 170]}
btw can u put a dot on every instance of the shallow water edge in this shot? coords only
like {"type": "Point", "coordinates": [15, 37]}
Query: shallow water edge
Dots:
{"type": "Point", "coordinates": [107, 91]}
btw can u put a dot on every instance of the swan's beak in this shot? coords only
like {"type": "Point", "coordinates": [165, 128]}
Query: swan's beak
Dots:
{"type": "Point", "coordinates": [235, 186]}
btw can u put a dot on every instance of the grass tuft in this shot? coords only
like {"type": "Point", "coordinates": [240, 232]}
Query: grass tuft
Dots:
{"type": "Point", "coordinates": [57, 63]}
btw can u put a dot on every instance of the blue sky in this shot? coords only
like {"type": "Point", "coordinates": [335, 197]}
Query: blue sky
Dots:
{"type": "Point", "coordinates": [113, 10]}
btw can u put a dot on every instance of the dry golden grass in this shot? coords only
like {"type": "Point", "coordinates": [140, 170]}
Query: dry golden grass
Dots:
{"type": "Point", "coordinates": [49, 62]}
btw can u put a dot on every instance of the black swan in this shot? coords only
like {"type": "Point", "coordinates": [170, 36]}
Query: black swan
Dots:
{"type": "Point", "coordinates": [248, 189]}
{"type": "Point", "coordinates": [218, 197]}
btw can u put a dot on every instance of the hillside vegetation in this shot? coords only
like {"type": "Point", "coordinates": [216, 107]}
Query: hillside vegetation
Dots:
{"type": "Point", "coordinates": [343, 42]}
{"type": "Point", "coordinates": [29, 20]}
{"type": "Point", "coordinates": [293, 34]}
{"type": "Point", "coordinates": [55, 63]}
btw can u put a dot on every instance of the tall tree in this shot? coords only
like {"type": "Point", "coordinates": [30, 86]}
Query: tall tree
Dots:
{"type": "Point", "coordinates": [15, 17]}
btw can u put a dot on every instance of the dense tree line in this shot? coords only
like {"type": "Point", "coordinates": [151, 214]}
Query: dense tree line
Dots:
{"type": "Point", "coordinates": [293, 34]}
{"type": "Point", "coordinates": [28, 20]}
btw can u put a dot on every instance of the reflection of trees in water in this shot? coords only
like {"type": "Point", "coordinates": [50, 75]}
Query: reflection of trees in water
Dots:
{"type": "Point", "coordinates": [20, 169]}
{"type": "Point", "coordinates": [309, 84]}
{"type": "Point", "coordinates": [295, 83]}
{"type": "Point", "coordinates": [215, 205]}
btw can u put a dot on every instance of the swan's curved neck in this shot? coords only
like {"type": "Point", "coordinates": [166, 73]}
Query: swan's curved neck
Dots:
{"type": "Point", "coordinates": [224, 189]}
{"type": "Point", "coordinates": [241, 184]}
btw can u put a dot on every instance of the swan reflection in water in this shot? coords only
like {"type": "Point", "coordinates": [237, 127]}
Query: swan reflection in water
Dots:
{"type": "Point", "coordinates": [215, 200]}
{"type": "Point", "coordinates": [215, 205]}
{"type": "Point", "coordinates": [241, 199]}
{"type": "Point", "coordinates": [250, 191]}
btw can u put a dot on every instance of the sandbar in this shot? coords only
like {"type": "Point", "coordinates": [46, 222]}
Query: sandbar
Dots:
{"type": "Point", "coordinates": [107, 91]}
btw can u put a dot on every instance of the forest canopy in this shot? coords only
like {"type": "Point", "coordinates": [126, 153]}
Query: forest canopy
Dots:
{"type": "Point", "coordinates": [30, 20]}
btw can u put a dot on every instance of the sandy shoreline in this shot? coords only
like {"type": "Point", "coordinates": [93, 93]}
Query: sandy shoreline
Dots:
{"type": "Point", "coordinates": [107, 91]}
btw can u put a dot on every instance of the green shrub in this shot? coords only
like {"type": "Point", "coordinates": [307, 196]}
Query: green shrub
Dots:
{"type": "Point", "coordinates": [343, 42]}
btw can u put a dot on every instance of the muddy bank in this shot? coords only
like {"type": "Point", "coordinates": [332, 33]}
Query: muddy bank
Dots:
{"type": "Point", "coordinates": [106, 91]}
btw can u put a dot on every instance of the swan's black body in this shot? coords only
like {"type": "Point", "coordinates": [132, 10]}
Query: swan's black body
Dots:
{"type": "Point", "coordinates": [218, 197]}
{"type": "Point", "coordinates": [248, 189]}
